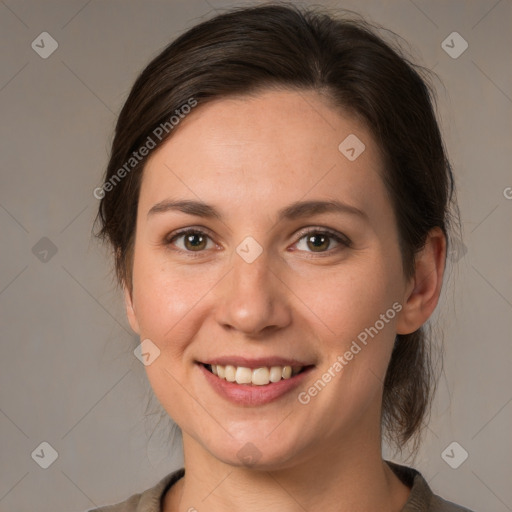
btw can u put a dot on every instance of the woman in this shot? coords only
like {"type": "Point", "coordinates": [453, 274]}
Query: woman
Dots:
{"type": "Point", "coordinates": [278, 201]}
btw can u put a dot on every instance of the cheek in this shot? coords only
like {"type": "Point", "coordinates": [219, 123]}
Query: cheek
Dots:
{"type": "Point", "coordinates": [162, 297]}
{"type": "Point", "coordinates": [353, 309]}
{"type": "Point", "coordinates": [351, 297]}
{"type": "Point", "coordinates": [171, 301]}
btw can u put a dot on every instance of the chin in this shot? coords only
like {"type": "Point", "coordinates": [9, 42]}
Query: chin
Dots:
{"type": "Point", "coordinates": [259, 452]}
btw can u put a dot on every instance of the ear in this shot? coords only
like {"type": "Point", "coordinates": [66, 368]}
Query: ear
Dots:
{"type": "Point", "coordinates": [130, 309]}
{"type": "Point", "coordinates": [424, 288]}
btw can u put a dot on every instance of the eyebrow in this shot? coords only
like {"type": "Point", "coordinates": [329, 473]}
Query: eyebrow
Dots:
{"type": "Point", "coordinates": [298, 209]}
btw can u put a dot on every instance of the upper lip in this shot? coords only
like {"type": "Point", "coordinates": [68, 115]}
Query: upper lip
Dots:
{"type": "Point", "coordinates": [257, 362]}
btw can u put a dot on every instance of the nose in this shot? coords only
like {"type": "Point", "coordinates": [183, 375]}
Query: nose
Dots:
{"type": "Point", "coordinates": [253, 299]}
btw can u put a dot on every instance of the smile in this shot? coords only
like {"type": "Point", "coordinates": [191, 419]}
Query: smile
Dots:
{"type": "Point", "coordinates": [253, 382]}
{"type": "Point", "coordinates": [257, 376]}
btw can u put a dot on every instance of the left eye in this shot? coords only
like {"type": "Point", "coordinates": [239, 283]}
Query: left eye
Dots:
{"type": "Point", "coordinates": [319, 241]}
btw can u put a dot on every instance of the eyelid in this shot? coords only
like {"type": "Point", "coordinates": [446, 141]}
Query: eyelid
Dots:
{"type": "Point", "coordinates": [189, 229]}
{"type": "Point", "coordinates": [339, 237]}
{"type": "Point", "coordinates": [200, 230]}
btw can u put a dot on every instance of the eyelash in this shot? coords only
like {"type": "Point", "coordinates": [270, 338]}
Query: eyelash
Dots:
{"type": "Point", "coordinates": [338, 237]}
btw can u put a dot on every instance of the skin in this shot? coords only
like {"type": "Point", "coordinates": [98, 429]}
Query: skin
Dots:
{"type": "Point", "coordinates": [249, 157]}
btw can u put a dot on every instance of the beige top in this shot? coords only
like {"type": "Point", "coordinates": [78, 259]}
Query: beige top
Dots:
{"type": "Point", "coordinates": [421, 498]}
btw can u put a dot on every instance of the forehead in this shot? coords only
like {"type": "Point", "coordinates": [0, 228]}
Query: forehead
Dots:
{"type": "Point", "coordinates": [266, 150]}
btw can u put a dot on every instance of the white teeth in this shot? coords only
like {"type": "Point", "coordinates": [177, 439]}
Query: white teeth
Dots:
{"type": "Point", "coordinates": [257, 377]}
{"type": "Point", "coordinates": [276, 373]}
{"type": "Point", "coordinates": [260, 376]}
{"type": "Point", "coordinates": [230, 372]}
{"type": "Point", "coordinates": [243, 375]}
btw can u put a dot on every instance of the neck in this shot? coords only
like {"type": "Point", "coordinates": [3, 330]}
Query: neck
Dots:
{"type": "Point", "coordinates": [343, 477]}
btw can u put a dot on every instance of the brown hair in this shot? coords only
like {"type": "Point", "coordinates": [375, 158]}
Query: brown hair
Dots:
{"type": "Point", "coordinates": [281, 46]}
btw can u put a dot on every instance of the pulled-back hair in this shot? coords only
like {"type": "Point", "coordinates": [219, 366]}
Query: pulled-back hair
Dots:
{"type": "Point", "coordinates": [248, 50]}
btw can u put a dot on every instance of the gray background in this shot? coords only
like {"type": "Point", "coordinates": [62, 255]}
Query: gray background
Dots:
{"type": "Point", "coordinates": [68, 375]}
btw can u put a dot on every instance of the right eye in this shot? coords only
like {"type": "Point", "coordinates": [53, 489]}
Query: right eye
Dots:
{"type": "Point", "coordinates": [190, 240]}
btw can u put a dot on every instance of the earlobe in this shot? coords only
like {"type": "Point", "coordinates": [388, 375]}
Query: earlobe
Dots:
{"type": "Point", "coordinates": [422, 294]}
{"type": "Point", "coordinates": [130, 309]}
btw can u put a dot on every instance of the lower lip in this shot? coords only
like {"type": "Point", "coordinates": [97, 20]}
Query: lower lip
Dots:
{"type": "Point", "coordinates": [247, 394]}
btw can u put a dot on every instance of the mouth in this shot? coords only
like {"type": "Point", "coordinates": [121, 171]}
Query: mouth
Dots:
{"type": "Point", "coordinates": [260, 376]}
{"type": "Point", "coordinates": [254, 382]}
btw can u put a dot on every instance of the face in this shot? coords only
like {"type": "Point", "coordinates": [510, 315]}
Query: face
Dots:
{"type": "Point", "coordinates": [260, 245]}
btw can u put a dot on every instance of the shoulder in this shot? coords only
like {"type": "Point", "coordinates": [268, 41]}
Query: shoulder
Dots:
{"type": "Point", "coordinates": [421, 498]}
{"type": "Point", "coordinates": [147, 501]}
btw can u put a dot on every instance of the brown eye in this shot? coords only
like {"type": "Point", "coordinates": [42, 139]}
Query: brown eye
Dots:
{"type": "Point", "coordinates": [318, 242]}
{"type": "Point", "coordinates": [195, 241]}
{"type": "Point", "coordinates": [321, 241]}
{"type": "Point", "coordinates": [190, 241]}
